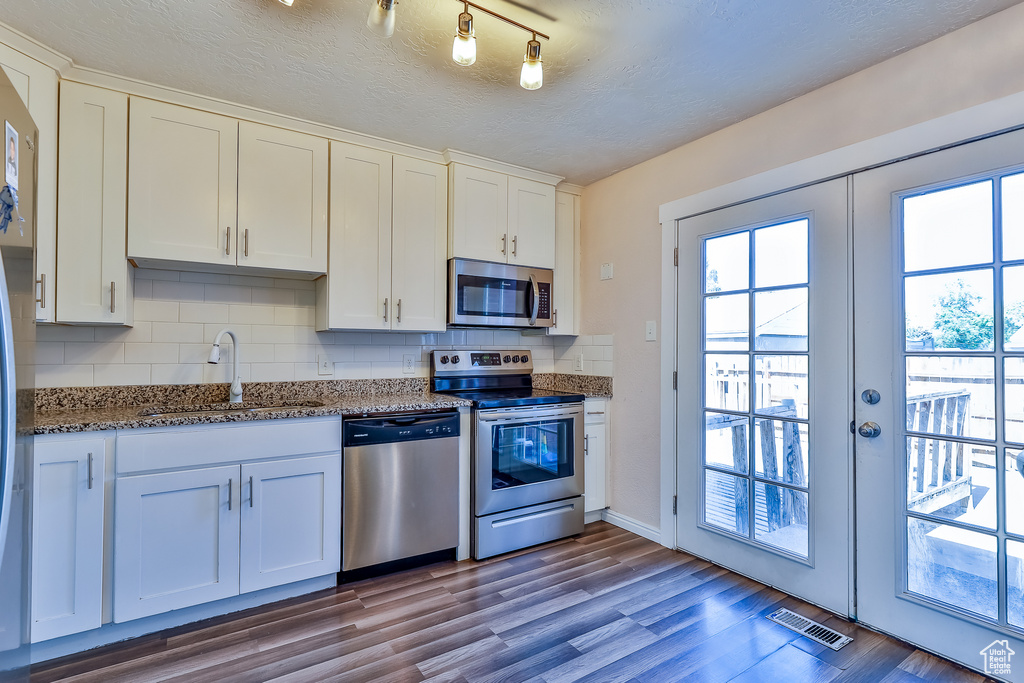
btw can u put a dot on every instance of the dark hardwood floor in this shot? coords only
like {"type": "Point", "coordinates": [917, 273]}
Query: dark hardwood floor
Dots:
{"type": "Point", "coordinates": [603, 607]}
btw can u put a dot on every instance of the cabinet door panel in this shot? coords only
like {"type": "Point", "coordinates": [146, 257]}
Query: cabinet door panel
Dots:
{"type": "Point", "coordinates": [282, 199]}
{"type": "Point", "coordinates": [419, 233]}
{"type": "Point", "coordinates": [291, 521]}
{"type": "Point", "coordinates": [67, 537]}
{"type": "Point", "coordinates": [479, 220]}
{"type": "Point", "coordinates": [92, 201]}
{"type": "Point", "coordinates": [182, 193]}
{"type": "Point", "coordinates": [531, 223]}
{"type": "Point", "coordinates": [37, 85]}
{"type": "Point", "coordinates": [566, 281]}
{"type": "Point", "coordinates": [360, 247]}
{"type": "Point", "coordinates": [175, 540]}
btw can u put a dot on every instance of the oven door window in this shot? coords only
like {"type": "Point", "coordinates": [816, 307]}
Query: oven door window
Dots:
{"type": "Point", "coordinates": [494, 297]}
{"type": "Point", "coordinates": [531, 452]}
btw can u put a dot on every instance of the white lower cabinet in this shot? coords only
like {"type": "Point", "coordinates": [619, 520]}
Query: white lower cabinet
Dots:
{"type": "Point", "coordinates": [250, 507]}
{"type": "Point", "coordinates": [67, 535]}
{"type": "Point", "coordinates": [595, 450]}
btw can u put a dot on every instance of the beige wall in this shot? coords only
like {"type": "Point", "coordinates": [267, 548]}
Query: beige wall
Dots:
{"type": "Point", "coordinates": [974, 65]}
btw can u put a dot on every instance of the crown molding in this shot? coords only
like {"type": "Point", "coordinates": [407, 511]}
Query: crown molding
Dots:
{"type": "Point", "coordinates": [455, 156]}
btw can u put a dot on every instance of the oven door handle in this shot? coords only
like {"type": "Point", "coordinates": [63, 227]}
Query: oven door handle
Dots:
{"type": "Point", "coordinates": [536, 299]}
{"type": "Point", "coordinates": [529, 415]}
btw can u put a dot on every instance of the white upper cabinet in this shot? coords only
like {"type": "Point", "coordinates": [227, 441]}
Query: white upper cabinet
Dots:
{"type": "Point", "coordinates": [500, 217]}
{"type": "Point", "coordinates": [282, 199]}
{"type": "Point", "coordinates": [479, 214]}
{"type": "Point", "coordinates": [388, 232]}
{"type": "Point", "coordinates": [419, 277]}
{"type": "Point", "coordinates": [203, 189]}
{"type": "Point", "coordinates": [37, 85]}
{"type": "Point", "coordinates": [93, 285]}
{"type": "Point", "coordinates": [565, 294]}
{"type": "Point", "coordinates": [531, 223]}
{"type": "Point", "coordinates": [182, 185]}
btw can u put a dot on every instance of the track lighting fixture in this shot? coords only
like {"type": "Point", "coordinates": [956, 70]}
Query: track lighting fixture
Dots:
{"type": "Point", "coordinates": [464, 47]}
{"type": "Point", "coordinates": [382, 18]}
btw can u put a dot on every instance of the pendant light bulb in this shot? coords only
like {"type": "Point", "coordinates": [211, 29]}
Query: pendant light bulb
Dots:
{"type": "Point", "coordinates": [464, 47]}
{"type": "Point", "coordinates": [532, 76]}
{"type": "Point", "coordinates": [286, 3]}
{"type": "Point", "coordinates": [382, 18]}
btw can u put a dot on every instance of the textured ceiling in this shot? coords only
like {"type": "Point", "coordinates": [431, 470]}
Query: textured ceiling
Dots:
{"type": "Point", "coordinates": [623, 80]}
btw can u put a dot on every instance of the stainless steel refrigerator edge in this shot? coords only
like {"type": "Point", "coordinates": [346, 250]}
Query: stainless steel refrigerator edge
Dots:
{"type": "Point", "coordinates": [17, 394]}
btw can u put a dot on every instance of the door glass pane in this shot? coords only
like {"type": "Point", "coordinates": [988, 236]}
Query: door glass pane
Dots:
{"type": "Point", "coordinates": [781, 320]}
{"type": "Point", "coordinates": [1013, 309]}
{"type": "Point", "coordinates": [725, 502]}
{"type": "Point", "coordinates": [531, 452]}
{"type": "Point", "coordinates": [950, 227]}
{"type": "Point", "coordinates": [727, 263]}
{"type": "Point", "coordinates": [780, 254]}
{"type": "Point", "coordinates": [780, 516]}
{"type": "Point", "coordinates": [781, 451]}
{"type": "Point", "coordinates": [951, 395]}
{"type": "Point", "coordinates": [1014, 399]}
{"type": "Point", "coordinates": [950, 311]}
{"type": "Point", "coordinates": [725, 441]}
{"type": "Point", "coordinates": [1014, 463]}
{"type": "Point", "coordinates": [727, 322]}
{"type": "Point", "coordinates": [952, 565]}
{"type": "Point", "coordinates": [1015, 583]}
{"type": "Point", "coordinates": [1013, 217]}
{"type": "Point", "coordinates": [780, 386]}
{"type": "Point", "coordinates": [952, 480]}
{"type": "Point", "coordinates": [727, 381]}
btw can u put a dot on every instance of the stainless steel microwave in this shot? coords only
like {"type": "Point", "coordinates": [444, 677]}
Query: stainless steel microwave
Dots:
{"type": "Point", "coordinates": [485, 294]}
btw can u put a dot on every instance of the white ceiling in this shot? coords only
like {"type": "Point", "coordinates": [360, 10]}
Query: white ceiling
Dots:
{"type": "Point", "coordinates": [624, 80]}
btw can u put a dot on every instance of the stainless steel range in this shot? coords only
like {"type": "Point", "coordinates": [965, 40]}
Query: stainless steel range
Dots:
{"type": "Point", "coordinates": [527, 449]}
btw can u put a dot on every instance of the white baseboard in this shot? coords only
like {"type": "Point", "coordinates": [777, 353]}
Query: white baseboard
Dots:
{"type": "Point", "coordinates": [639, 528]}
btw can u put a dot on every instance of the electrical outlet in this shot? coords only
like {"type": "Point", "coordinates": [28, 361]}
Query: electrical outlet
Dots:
{"type": "Point", "coordinates": [408, 364]}
{"type": "Point", "coordinates": [323, 364]}
{"type": "Point", "coordinates": [578, 362]}
{"type": "Point", "coordinates": [651, 330]}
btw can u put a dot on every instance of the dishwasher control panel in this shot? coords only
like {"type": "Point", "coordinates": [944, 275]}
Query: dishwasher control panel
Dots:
{"type": "Point", "coordinates": [399, 428]}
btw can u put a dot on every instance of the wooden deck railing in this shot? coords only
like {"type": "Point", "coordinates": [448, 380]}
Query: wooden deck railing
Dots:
{"type": "Point", "coordinates": [938, 472]}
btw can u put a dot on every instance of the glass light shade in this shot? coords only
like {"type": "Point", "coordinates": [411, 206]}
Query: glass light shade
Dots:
{"type": "Point", "coordinates": [464, 49]}
{"type": "Point", "coordinates": [532, 76]}
{"type": "Point", "coordinates": [381, 21]}
{"type": "Point", "coordinates": [287, 3]}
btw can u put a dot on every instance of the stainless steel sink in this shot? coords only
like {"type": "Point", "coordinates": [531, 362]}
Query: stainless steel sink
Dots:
{"type": "Point", "coordinates": [225, 408]}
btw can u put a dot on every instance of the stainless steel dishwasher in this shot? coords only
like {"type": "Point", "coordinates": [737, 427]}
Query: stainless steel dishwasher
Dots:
{"type": "Point", "coordinates": [401, 488]}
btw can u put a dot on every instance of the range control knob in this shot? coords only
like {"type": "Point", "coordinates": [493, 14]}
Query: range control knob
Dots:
{"type": "Point", "coordinates": [515, 359]}
{"type": "Point", "coordinates": [455, 359]}
{"type": "Point", "coordinates": [507, 359]}
{"type": "Point", "coordinates": [524, 358]}
{"type": "Point", "coordinates": [444, 360]}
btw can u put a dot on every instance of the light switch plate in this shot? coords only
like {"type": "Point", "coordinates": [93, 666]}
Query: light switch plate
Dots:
{"type": "Point", "coordinates": [408, 363]}
{"type": "Point", "coordinates": [606, 271]}
{"type": "Point", "coordinates": [651, 330]}
{"type": "Point", "coordinates": [323, 364]}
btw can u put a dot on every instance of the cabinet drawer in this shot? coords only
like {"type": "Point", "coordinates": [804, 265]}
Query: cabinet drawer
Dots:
{"type": "Point", "coordinates": [196, 446]}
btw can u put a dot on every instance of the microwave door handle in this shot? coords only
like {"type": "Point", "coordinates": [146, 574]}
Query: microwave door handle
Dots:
{"type": "Point", "coordinates": [536, 299]}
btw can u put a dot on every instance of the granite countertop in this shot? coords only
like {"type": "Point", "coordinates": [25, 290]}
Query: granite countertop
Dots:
{"type": "Point", "coordinates": [131, 417]}
{"type": "Point", "coordinates": [87, 409]}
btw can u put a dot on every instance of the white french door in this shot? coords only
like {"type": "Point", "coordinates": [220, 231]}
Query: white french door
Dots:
{"type": "Point", "coordinates": [764, 360]}
{"type": "Point", "coordinates": [939, 320]}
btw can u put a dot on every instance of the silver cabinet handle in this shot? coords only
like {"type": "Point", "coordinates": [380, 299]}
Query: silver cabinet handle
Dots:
{"type": "Point", "coordinates": [252, 492]}
{"type": "Point", "coordinates": [246, 242]}
{"type": "Point", "coordinates": [515, 238]}
{"type": "Point", "coordinates": [42, 290]}
{"type": "Point", "coordinates": [231, 490]}
{"type": "Point", "coordinates": [595, 412]}
{"type": "Point", "coordinates": [586, 444]}
{"type": "Point", "coordinates": [536, 299]}
{"type": "Point", "coordinates": [227, 241]}
{"type": "Point", "coordinates": [503, 238]}
{"type": "Point", "coordinates": [385, 309]}
{"type": "Point", "coordinates": [554, 318]}
{"type": "Point", "coordinates": [112, 296]}
{"type": "Point", "coordinates": [398, 311]}
{"type": "Point", "coordinates": [90, 471]}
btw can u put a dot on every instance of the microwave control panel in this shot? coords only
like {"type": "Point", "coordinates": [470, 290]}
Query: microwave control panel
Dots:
{"type": "Point", "coordinates": [544, 307]}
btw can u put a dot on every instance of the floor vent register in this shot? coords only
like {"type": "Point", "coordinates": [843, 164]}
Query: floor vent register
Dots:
{"type": "Point", "coordinates": [810, 629]}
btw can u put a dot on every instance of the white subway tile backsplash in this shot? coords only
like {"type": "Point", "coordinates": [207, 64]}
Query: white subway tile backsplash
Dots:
{"type": "Point", "coordinates": [178, 315]}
